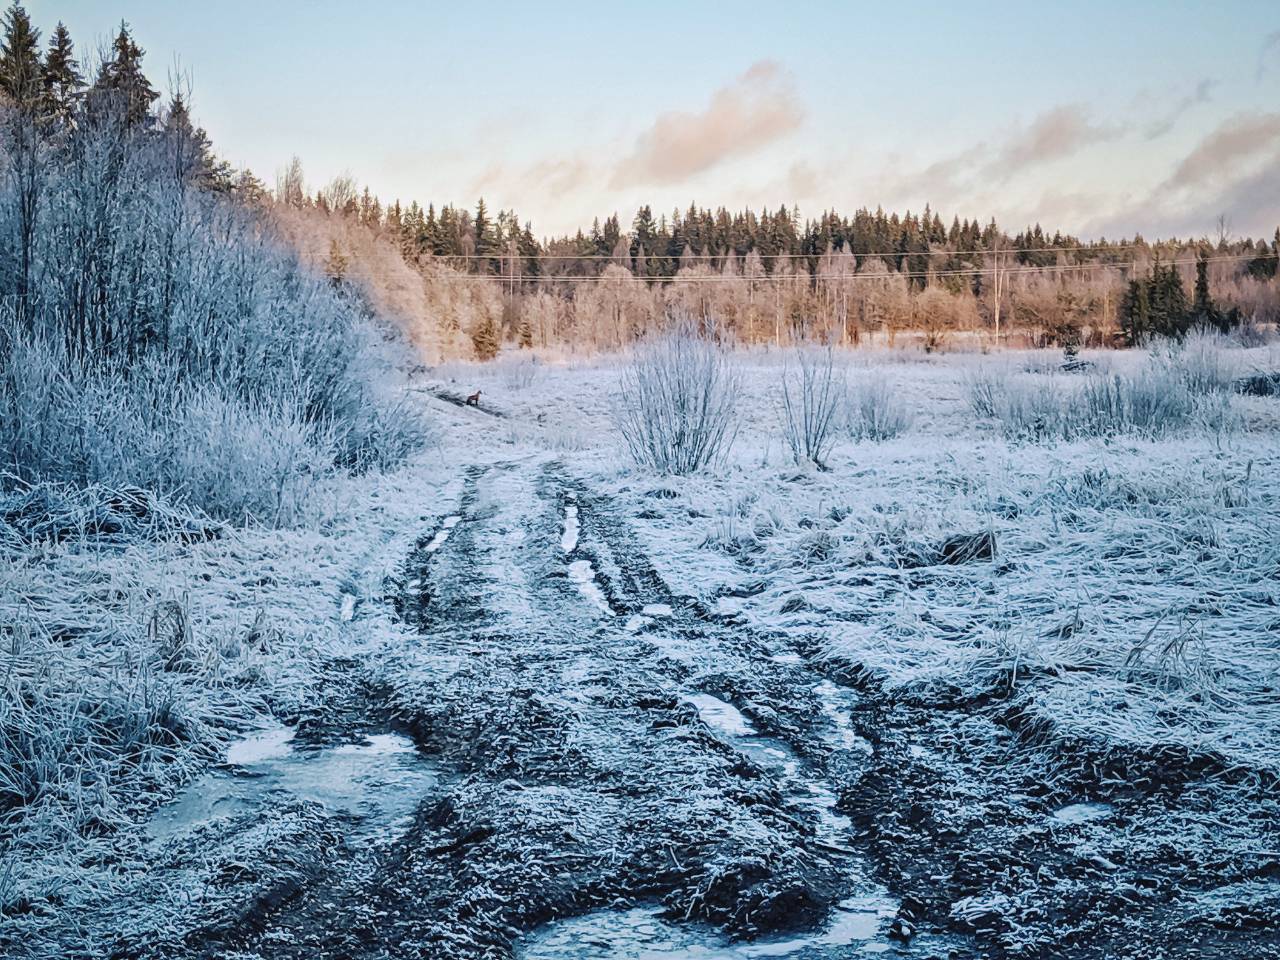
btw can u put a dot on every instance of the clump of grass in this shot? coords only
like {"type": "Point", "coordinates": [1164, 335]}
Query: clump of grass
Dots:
{"type": "Point", "coordinates": [1183, 390]}
{"type": "Point", "coordinates": [875, 411]}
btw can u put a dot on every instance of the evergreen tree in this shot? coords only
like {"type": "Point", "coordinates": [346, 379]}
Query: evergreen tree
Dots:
{"type": "Point", "coordinates": [122, 84]}
{"type": "Point", "coordinates": [62, 81]}
{"type": "Point", "coordinates": [20, 71]}
{"type": "Point", "coordinates": [1203, 312]}
{"type": "Point", "coordinates": [189, 146]}
{"type": "Point", "coordinates": [484, 338]}
{"type": "Point", "coordinates": [1135, 312]}
{"type": "Point", "coordinates": [486, 243]}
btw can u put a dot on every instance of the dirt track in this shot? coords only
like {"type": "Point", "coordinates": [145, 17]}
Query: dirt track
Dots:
{"type": "Point", "coordinates": [623, 773]}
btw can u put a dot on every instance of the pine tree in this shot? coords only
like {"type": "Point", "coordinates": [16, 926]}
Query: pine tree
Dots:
{"type": "Point", "coordinates": [1203, 312]}
{"type": "Point", "coordinates": [1135, 312]}
{"type": "Point", "coordinates": [62, 81]}
{"type": "Point", "coordinates": [122, 84]}
{"type": "Point", "coordinates": [20, 71]}
{"type": "Point", "coordinates": [189, 146]}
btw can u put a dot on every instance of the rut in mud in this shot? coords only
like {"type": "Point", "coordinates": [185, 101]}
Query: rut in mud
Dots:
{"type": "Point", "coordinates": [611, 760]}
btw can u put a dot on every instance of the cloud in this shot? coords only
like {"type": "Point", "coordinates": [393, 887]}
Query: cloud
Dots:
{"type": "Point", "coordinates": [1270, 43]}
{"type": "Point", "coordinates": [1054, 135]}
{"type": "Point", "coordinates": [1221, 155]}
{"type": "Point", "coordinates": [756, 109]}
{"type": "Point", "coordinates": [1203, 93]}
{"type": "Point", "coordinates": [1230, 172]}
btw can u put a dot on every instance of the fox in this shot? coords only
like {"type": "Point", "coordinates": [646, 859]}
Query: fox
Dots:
{"type": "Point", "coordinates": [474, 399]}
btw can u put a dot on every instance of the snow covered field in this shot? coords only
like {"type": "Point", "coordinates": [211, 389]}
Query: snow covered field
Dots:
{"type": "Point", "coordinates": [763, 710]}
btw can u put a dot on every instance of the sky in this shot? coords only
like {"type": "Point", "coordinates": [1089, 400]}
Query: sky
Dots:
{"type": "Point", "coordinates": [1096, 118]}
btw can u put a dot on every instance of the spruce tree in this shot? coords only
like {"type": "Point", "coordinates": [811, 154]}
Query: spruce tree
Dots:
{"type": "Point", "coordinates": [122, 84]}
{"type": "Point", "coordinates": [485, 339]}
{"type": "Point", "coordinates": [483, 230]}
{"type": "Point", "coordinates": [20, 71]}
{"type": "Point", "coordinates": [62, 81]}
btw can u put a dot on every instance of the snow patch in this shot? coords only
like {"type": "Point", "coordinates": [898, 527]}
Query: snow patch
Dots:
{"type": "Point", "coordinates": [583, 574]}
{"type": "Point", "coordinates": [569, 538]}
{"type": "Point", "coordinates": [443, 533]}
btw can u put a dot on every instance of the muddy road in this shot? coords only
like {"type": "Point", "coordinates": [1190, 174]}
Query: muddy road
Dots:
{"type": "Point", "coordinates": [572, 761]}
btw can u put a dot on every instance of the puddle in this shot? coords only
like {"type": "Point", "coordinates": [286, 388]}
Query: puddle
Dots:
{"type": "Point", "coordinates": [584, 576]}
{"type": "Point", "coordinates": [642, 934]}
{"type": "Point", "coordinates": [379, 780]}
{"type": "Point", "coordinates": [834, 701]}
{"type": "Point", "coordinates": [443, 533]}
{"type": "Point", "coordinates": [1082, 812]}
{"type": "Point", "coordinates": [720, 716]}
{"type": "Point", "coordinates": [777, 757]}
{"type": "Point", "coordinates": [569, 539]}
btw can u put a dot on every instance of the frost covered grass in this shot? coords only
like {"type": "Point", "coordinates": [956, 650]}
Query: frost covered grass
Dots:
{"type": "Point", "coordinates": [1131, 598]}
{"type": "Point", "coordinates": [138, 636]}
{"type": "Point", "coordinates": [1183, 388]}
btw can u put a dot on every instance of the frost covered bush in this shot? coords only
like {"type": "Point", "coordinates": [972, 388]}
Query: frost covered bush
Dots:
{"type": "Point", "coordinates": [170, 338]}
{"type": "Point", "coordinates": [676, 409]}
{"type": "Point", "coordinates": [813, 393]}
{"type": "Point", "coordinates": [875, 411]}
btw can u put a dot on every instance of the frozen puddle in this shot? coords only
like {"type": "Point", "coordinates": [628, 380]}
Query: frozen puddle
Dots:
{"type": "Point", "coordinates": [569, 539]}
{"type": "Point", "coordinates": [584, 576]}
{"type": "Point", "coordinates": [778, 758]}
{"type": "Point", "coordinates": [642, 934]}
{"type": "Point", "coordinates": [443, 533]}
{"type": "Point", "coordinates": [834, 701]}
{"type": "Point", "coordinates": [379, 780]}
{"type": "Point", "coordinates": [1082, 812]}
{"type": "Point", "coordinates": [788, 658]}
{"type": "Point", "coordinates": [720, 716]}
{"type": "Point", "coordinates": [656, 610]}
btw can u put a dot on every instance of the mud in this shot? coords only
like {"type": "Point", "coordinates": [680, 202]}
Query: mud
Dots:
{"type": "Point", "coordinates": [572, 761]}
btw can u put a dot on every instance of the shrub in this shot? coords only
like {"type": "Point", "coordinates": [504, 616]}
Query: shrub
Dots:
{"type": "Point", "coordinates": [814, 391]}
{"type": "Point", "coordinates": [676, 409]}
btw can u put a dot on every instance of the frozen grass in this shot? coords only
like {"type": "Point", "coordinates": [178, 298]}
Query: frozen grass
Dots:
{"type": "Point", "coordinates": [1179, 389]}
{"type": "Point", "coordinates": [137, 637]}
{"type": "Point", "coordinates": [1131, 602]}
{"type": "Point", "coordinates": [875, 410]}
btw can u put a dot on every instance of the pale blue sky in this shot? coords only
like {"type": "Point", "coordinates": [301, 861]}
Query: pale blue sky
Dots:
{"type": "Point", "coordinates": [1096, 117]}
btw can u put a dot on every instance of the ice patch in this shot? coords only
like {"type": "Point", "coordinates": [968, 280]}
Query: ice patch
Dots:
{"type": "Point", "coordinates": [348, 610]}
{"type": "Point", "coordinates": [443, 533]}
{"type": "Point", "coordinates": [1082, 812]}
{"type": "Point", "coordinates": [569, 539]}
{"type": "Point", "coordinates": [788, 658]}
{"type": "Point", "coordinates": [722, 717]}
{"type": "Point", "coordinates": [584, 575]}
{"type": "Point", "coordinates": [379, 781]}
{"type": "Point", "coordinates": [266, 744]}
{"type": "Point", "coordinates": [831, 697]}
{"type": "Point", "coordinates": [642, 934]}
{"type": "Point", "coordinates": [656, 610]}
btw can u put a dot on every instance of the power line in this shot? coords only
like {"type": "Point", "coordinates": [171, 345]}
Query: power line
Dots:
{"type": "Point", "coordinates": [1083, 248]}
{"type": "Point", "coordinates": [774, 278]}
